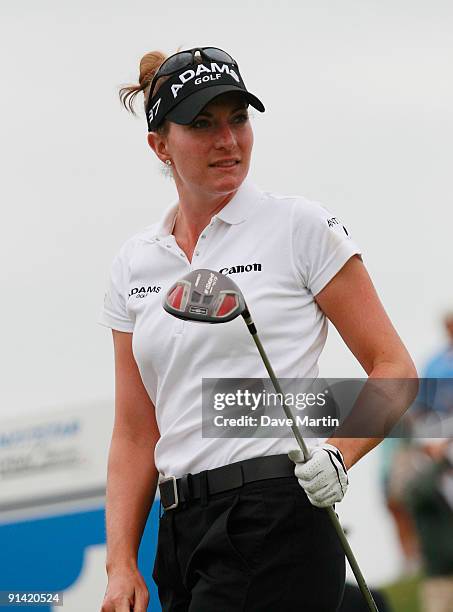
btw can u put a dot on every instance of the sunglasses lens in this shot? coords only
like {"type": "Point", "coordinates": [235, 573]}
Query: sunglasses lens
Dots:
{"type": "Point", "coordinates": [175, 62]}
{"type": "Point", "coordinates": [218, 55]}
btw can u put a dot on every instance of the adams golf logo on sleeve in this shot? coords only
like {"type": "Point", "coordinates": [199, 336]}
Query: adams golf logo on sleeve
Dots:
{"type": "Point", "coordinates": [335, 222]}
{"type": "Point", "coordinates": [142, 292]}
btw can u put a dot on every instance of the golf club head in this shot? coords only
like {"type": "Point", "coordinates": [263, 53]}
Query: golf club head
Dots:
{"type": "Point", "coordinates": [206, 296]}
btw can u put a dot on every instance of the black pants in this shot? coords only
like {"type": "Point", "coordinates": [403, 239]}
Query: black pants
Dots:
{"type": "Point", "coordinates": [260, 548]}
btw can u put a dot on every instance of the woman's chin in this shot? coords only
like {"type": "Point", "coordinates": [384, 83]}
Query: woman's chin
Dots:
{"type": "Point", "coordinates": [229, 180]}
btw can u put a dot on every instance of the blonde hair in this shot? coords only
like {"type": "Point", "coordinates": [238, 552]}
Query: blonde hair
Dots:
{"type": "Point", "coordinates": [149, 65]}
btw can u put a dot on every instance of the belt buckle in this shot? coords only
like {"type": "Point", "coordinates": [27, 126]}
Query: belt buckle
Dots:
{"type": "Point", "coordinates": [175, 491]}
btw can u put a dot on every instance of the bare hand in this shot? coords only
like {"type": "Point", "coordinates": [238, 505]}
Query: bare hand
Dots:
{"type": "Point", "coordinates": [126, 591]}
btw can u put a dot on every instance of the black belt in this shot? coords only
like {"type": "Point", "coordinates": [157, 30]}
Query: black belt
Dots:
{"type": "Point", "coordinates": [174, 490]}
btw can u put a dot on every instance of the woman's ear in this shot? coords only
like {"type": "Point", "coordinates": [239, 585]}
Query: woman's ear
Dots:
{"type": "Point", "coordinates": [159, 145]}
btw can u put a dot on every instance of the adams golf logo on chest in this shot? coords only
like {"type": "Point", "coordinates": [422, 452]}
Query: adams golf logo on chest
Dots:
{"type": "Point", "coordinates": [142, 292]}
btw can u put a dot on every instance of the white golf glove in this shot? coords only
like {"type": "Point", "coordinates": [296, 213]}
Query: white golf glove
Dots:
{"type": "Point", "coordinates": [323, 477]}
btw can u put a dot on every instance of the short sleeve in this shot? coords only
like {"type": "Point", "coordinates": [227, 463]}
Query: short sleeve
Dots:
{"type": "Point", "coordinates": [321, 244]}
{"type": "Point", "coordinates": [114, 313]}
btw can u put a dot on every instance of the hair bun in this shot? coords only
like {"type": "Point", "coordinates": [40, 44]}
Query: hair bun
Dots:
{"type": "Point", "coordinates": [149, 65]}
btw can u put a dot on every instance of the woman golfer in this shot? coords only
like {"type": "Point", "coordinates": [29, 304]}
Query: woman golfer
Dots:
{"type": "Point", "coordinates": [242, 526]}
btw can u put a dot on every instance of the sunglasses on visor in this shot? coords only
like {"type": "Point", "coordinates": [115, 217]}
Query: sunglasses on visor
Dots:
{"type": "Point", "coordinates": [180, 60]}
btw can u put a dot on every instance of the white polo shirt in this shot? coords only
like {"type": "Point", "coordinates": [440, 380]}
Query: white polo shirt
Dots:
{"type": "Point", "coordinates": [280, 251]}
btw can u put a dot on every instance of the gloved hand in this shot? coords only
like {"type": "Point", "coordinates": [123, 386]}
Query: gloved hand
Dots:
{"type": "Point", "coordinates": [324, 476]}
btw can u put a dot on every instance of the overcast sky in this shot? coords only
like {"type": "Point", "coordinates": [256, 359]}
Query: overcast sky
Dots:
{"type": "Point", "coordinates": [359, 116]}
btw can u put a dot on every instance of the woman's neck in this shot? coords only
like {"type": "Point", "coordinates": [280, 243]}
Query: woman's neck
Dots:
{"type": "Point", "coordinates": [195, 212]}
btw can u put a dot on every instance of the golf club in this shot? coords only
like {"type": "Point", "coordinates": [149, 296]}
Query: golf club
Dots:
{"type": "Point", "coordinates": [210, 297]}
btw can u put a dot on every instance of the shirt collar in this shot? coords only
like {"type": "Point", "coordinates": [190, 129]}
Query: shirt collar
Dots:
{"type": "Point", "coordinates": [236, 211]}
{"type": "Point", "coordinates": [241, 204]}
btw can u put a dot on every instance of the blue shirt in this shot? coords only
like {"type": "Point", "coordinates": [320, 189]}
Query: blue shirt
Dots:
{"type": "Point", "coordinates": [436, 386]}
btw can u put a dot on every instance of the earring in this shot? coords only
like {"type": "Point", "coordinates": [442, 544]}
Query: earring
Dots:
{"type": "Point", "coordinates": [168, 162]}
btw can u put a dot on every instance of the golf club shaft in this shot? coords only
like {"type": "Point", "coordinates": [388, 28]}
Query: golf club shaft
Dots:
{"type": "Point", "coordinates": [330, 511]}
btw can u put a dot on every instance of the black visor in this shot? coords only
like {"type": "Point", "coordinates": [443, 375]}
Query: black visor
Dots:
{"type": "Point", "coordinates": [182, 97]}
{"type": "Point", "coordinates": [185, 112]}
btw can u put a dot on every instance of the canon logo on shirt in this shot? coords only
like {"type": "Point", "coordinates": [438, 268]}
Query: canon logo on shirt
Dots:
{"type": "Point", "coordinates": [239, 269]}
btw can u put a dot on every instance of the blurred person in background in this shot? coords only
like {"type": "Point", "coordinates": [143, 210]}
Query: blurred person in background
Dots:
{"type": "Point", "coordinates": [402, 460]}
{"type": "Point", "coordinates": [429, 497]}
{"type": "Point", "coordinates": [441, 365]}
{"type": "Point", "coordinates": [435, 398]}
{"type": "Point", "coordinates": [398, 466]}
